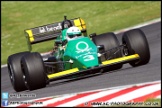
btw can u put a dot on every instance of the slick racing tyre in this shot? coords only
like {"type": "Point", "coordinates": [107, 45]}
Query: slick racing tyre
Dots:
{"type": "Point", "coordinates": [34, 70]}
{"type": "Point", "coordinates": [15, 71]}
{"type": "Point", "coordinates": [109, 41]}
{"type": "Point", "coordinates": [136, 43]}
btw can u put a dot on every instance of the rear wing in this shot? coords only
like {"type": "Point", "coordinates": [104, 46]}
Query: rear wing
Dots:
{"type": "Point", "coordinates": [50, 31]}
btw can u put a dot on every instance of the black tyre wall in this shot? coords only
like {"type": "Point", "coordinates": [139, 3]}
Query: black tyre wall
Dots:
{"type": "Point", "coordinates": [14, 67]}
{"type": "Point", "coordinates": [109, 40]}
{"type": "Point", "coordinates": [34, 69]}
{"type": "Point", "coordinates": [136, 42]}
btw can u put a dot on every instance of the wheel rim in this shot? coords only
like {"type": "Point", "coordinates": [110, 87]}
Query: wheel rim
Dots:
{"type": "Point", "coordinates": [11, 73]}
{"type": "Point", "coordinates": [24, 77]}
{"type": "Point", "coordinates": [125, 49]}
{"type": "Point", "coordinates": [25, 81]}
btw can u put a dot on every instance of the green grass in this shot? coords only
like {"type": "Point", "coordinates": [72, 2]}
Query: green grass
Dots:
{"type": "Point", "coordinates": [100, 17]}
{"type": "Point", "coordinates": [154, 102]}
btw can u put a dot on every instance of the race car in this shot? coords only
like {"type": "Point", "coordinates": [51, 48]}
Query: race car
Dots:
{"type": "Point", "coordinates": [75, 54]}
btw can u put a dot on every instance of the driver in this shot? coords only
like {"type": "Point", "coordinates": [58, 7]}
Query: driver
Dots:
{"type": "Point", "coordinates": [72, 33]}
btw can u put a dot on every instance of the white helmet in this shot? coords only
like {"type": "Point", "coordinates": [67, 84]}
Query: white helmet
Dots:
{"type": "Point", "coordinates": [73, 32]}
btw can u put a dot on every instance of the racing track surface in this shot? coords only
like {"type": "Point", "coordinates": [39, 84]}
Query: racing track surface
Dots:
{"type": "Point", "coordinates": [126, 75]}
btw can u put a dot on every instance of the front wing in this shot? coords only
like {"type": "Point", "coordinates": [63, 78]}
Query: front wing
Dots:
{"type": "Point", "coordinates": [75, 71]}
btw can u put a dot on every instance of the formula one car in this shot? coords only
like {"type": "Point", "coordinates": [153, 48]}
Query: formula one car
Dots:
{"type": "Point", "coordinates": [75, 54]}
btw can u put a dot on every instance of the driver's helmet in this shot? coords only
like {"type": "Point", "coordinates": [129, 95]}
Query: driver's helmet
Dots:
{"type": "Point", "coordinates": [73, 32]}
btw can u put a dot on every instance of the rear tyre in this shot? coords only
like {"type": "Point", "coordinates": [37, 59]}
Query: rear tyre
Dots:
{"type": "Point", "coordinates": [135, 42]}
{"type": "Point", "coordinates": [34, 70]}
{"type": "Point", "coordinates": [15, 71]}
{"type": "Point", "coordinates": [109, 41]}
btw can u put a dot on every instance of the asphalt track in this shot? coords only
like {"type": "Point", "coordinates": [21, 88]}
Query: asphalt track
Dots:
{"type": "Point", "coordinates": [125, 76]}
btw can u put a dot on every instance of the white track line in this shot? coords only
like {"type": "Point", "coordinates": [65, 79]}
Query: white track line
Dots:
{"type": "Point", "coordinates": [125, 97]}
{"type": "Point", "coordinates": [136, 93]}
{"type": "Point", "coordinates": [101, 93]}
{"type": "Point", "coordinates": [121, 98]}
{"type": "Point", "coordinates": [88, 98]}
{"type": "Point", "coordinates": [117, 87]}
{"type": "Point", "coordinates": [138, 26]}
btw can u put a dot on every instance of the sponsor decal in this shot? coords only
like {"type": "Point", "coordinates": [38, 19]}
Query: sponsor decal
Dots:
{"type": "Point", "coordinates": [88, 57]}
{"type": "Point", "coordinates": [50, 28]}
{"type": "Point", "coordinates": [85, 48]}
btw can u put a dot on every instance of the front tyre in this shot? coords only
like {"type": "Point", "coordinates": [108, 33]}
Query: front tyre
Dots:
{"type": "Point", "coordinates": [109, 41]}
{"type": "Point", "coordinates": [15, 72]}
{"type": "Point", "coordinates": [135, 42]}
{"type": "Point", "coordinates": [34, 70]}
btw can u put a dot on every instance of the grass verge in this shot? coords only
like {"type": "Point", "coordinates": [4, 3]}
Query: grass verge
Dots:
{"type": "Point", "coordinates": [100, 17]}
